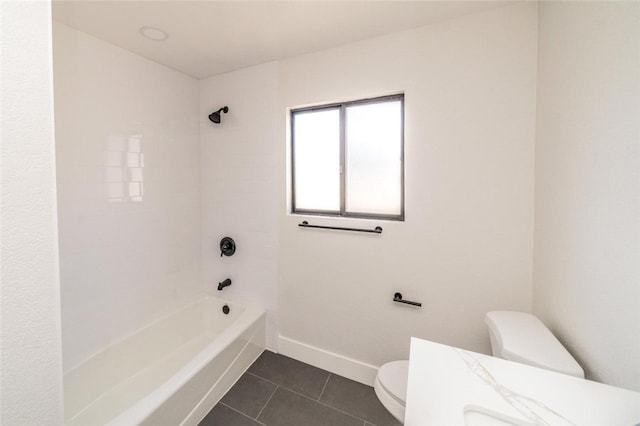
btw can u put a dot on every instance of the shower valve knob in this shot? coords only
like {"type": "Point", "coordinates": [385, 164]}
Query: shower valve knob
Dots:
{"type": "Point", "coordinates": [227, 246]}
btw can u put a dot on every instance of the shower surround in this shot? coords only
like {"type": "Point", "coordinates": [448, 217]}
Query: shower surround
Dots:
{"type": "Point", "coordinates": [128, 177]}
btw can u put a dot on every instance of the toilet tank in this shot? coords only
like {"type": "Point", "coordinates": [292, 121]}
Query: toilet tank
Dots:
{"type": "Point", "coordinates": [523, 338]}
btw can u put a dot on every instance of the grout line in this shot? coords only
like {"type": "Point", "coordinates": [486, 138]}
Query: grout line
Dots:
{"type": "Point", "coordinates": [260, 377]}
{"type": "Point", "coordinates": [266, 380]}
{"type": "Point", "coordinates": [326, 405]}
{"type": "Point", "coordinates": [268, 401]}
{"type": "Point", "coordinates": [240, 412]}
{"type": "Point", "coordinates": [324, 387]}
{"type": "Point", "coordinates": [365, 422]}
{"type": "Point", "coordinates": [308, 397]}
{"type": "Point", "coordinates": [292, 390]}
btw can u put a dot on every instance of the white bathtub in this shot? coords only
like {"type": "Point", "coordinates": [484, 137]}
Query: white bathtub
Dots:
{"type": "Point", "coordinates": [171, 372]}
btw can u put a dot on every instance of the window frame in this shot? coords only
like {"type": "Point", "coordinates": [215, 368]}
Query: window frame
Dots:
{"type": "Point", "coordinates": [342, 106]}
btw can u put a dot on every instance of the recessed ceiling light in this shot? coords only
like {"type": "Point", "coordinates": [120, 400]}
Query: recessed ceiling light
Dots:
{"type": "Point", "coordinates": [155, 34]}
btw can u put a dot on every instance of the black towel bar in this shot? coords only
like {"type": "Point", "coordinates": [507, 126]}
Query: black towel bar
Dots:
{"type": "Point", "coordinates": [398, 298]}
{"type": "Point", "coordinates": [376, 230]}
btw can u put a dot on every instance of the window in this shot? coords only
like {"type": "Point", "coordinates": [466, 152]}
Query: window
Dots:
{"type": "Point", "coordinates": [347, 159]}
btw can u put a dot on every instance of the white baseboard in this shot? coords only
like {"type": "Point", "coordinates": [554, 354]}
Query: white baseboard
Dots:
{"type": "Point", "coordinates": [332, 362]}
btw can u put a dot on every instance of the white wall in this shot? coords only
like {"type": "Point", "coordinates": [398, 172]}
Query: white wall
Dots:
{"type": "Point", "coordinates": [466, 245]}
{"type": "Point", "coordinates": [239, 186]}
{"type": "Point", "coordinates": [587, 229]}
{"type": "Point", "coordinates": [31, 365]}
{"type": "Point", "coordinates": [124, 258]}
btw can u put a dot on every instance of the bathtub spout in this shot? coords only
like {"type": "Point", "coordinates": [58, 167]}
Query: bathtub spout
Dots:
{"type": "Point", "coordinates": [223, 284]}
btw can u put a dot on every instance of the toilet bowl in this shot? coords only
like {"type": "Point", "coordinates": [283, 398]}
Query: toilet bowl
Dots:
{"type": "Point", "coordinates": [391, 387]}
{"type": "Point", "coordinates": [516, 336]}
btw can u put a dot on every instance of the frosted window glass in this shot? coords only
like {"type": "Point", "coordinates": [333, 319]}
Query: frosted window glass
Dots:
{"type": "Point", "coordinates": [374, 158]}
{"type": "Point", "coordinates": [316, 136]}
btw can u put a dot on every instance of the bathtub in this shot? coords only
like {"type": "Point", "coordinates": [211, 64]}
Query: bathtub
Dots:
{"type": "Point", "coordinates": [171, 372]}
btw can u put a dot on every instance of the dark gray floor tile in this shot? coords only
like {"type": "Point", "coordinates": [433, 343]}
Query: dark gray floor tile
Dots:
{"type": "Point", "coordinates": [221, 415]}
{"type": "Point", "coordinates": [287, 408]}
{"type": "Point", "coordinates": [356, 399]}
{"type": "Point", "coordinates": [290, 373]}
{"type": "Point", "coordinates": [249, 394]}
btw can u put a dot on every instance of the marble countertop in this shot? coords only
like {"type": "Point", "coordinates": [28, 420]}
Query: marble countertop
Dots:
{"type": "Point", "coordinates": [452, 386]}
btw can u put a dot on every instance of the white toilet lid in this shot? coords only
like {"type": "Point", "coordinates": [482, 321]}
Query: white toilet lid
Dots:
{"type": "Point", "coordinates": [394, 376]}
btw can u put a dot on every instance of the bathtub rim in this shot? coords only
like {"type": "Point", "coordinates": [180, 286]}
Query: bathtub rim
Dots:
{"type": "Point", "coordinates": [163, 316]}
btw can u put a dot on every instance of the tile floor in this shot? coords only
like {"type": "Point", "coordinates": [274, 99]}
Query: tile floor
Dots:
{"type": "Point", "coordinates": [280, 391]}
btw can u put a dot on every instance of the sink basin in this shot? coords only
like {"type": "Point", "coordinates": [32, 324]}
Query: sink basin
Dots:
{"type": "Point", "coordinates": [475, 415]}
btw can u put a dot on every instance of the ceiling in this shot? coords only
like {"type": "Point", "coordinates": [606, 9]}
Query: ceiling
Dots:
{"type": "Point", "coordinates": [213, 37]}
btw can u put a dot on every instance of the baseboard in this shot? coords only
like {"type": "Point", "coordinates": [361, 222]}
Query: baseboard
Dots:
{"type": "Point", "coordinates": [335, 363]}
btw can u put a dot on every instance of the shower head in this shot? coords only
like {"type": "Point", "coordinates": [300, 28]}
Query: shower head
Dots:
{"type": "Point", "coordinates": [215, 116]}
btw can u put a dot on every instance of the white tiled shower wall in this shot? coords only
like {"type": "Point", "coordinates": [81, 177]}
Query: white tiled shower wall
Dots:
{"type": "Point", "coordinates": [240, 186]}
{"type": "Point", "coordinates": [128, 190]}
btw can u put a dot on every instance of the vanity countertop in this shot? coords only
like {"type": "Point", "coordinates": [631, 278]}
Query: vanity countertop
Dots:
{"type": "Point", "coordinates": [451, 386]}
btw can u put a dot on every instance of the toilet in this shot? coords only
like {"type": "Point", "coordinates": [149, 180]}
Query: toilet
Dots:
{"type": "Point", "coordinates": [515, 336]}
